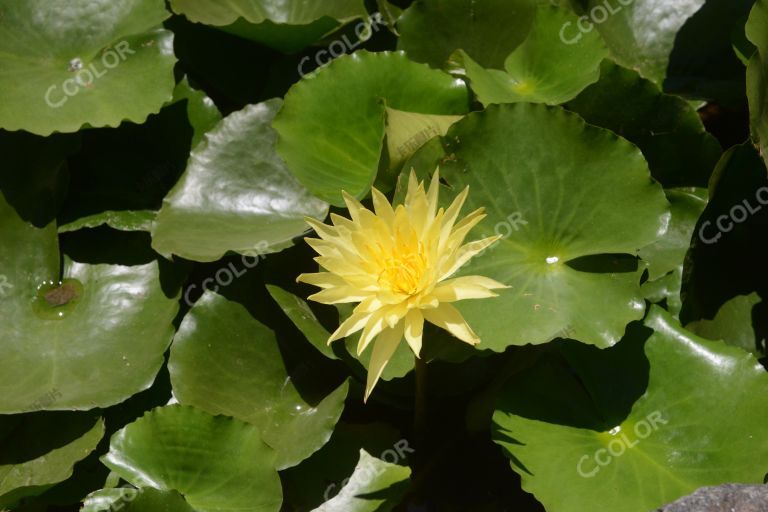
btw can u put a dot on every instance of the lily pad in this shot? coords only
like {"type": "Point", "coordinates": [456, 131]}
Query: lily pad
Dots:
{"type": "Point", "coordinates": [299, 312]}
{"type": "Point", "coordinates": [322, 476]}
{"type": "Point", "coordinates": [236, 194]}
{"type": "Point", "coordinates": [351, 94]}
{"type": "Point", "coordinates": [65, 64]}
{"type": "Point", "coordinates": [554, 204]}
{"type": "Point", "coordinates": [431, 30]}
{"type": "Point", "coordinates": [374, 486]}
{"type": "Point", "coordinates": [202, 112]}
{"type": "Point", "coordinates": [407, 132]}
{"type": "Point", "coordinates": [130, 499]}
{"type": "Point", "coordinates": [94, 333]}
{"type": "Point", "coordinates": [668, 252]}
{"type": "Point", "coordinates": [665, 258]}
{"type": "Point", "coordinates": [547, 67]}
{"type": "Point", "coordinates": [675, 439]}
{"type": "Point", "coordinates": [41, 450]}
{"type": "Point", "coordinates": [641, 35]}
{"type": "Point", "coordinates": [719, 267]}
{"type": "Point", "coordinates": [705, 61]}
{"type": "Point", "coordinates": [287, 26]}
{"type": "Point", "coordinates": [666, 128]}
{"type": "Point", "coordinates": [757, 74]}
{"type": "Point", "coordinates": [217, 463]}
{"type": "Point", "coordinates": [294, 12]}
{"type": "Point", "coordinates": [249, 380]}
{"type": "Point", "coordinates": [126, 220]}
{"type": "Point", "coordinates": [732, 324]}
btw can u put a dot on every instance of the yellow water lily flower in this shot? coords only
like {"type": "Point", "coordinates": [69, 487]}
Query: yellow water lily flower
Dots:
{"type": "Point", "coordinates": [397, 263]}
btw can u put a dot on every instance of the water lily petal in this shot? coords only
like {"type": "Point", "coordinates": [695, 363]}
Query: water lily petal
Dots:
{"type": "Point", "coordinates": [414, 328]}
{"type": "Point", "coordinates": [351, 325]}
{"type": "Point", "coordinates": [466, 253]}
{"type": "Point", "coordinates": [466, 287]}
{"type": "Point", "coordinates": [383, 348]}
{"type": "Point", "coordinates": [339, 295]}
{"type": "Point", "coordinates": [448, 317]}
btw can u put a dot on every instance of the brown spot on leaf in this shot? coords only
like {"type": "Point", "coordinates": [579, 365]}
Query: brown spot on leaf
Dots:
{"type": "Point", "coordinates": [61, 295]}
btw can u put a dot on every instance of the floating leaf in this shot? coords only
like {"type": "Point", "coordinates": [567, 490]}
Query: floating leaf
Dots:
{"type": "Point", "coordinates": [641, 35]}
{"type": "Point", "coordinates": [757, 74]}
{"type": "Point", "coordinates": [375, 486]}
{"type": "Point", "coordinates": [69, 63]}
{"type": "Point", "coordinates": [201, 111]}
{"type": "Point", "coordinates": [236, 194]}
{"type": "Point", "coordinates": [719, 265]}
{"type": "Point", "coordinates": [288, 26]}
{"type": "Point", "coordinates": [216, 463]}
{"type": "Point", "coordinates": [95, 334]}
{"type": "Point", "coordinates": [407, 132]}
{"type": "Point", "coordinates": [41, 450]}
{"type": "Point", "coordinates": [732, 324]}
{"type": "Point", "coordinates": [129, 499]}
{"type": "Point", "coordinates": [668, 252]}
{"type": "Point", "coordinates": [350, 94]}
{"type": "Point", "coordinates": [293, 12]}
{"type": "Point", "coordinates": [431, 30]}
{"type": "Point", "coordinates": [299, 312]}
{"type": "Point", "coordinates": [666, 256]}
{"type": "Point", "coordinates": [126, 220]}
{"type": "Point", "coordinates": [704, 61]}
{"type": "Point", "coordinates": [676, 438]}
{"type": "Point", "coordinates": [249, 380]}
{"type": "Point", "coordinates": [546, 68]}
{"type": "Point", "coordinates": [555, 205]}
{"type": "Point", "coordinates": [666, 128]}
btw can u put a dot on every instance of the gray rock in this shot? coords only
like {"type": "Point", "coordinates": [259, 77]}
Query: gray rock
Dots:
{"type": "Point", "coordinates": [723, 498]}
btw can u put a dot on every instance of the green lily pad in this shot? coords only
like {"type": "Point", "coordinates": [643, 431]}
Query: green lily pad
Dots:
{"type": "Point", "coordinates": [547, 67]}
{"type": "Point", "coordinates": [676, 438]}
{"type": "Point", "coordinates": [236, 194]}
{"type": "Point", "coordinates": [129, 499]}
{"type": "Point", "coordinates": [431, 30]}
{"type": "Point", "coordinates": [665, 258]}
{"type": "Point", "coordinates": [202, 112]}
{"type": "Point", "coordinates": [641, 35]}
{"type": "Point", "coordinates": [41, 450]}
{"type": "Point", "coordinates": [322, 476]}
{"type": "Point", "coordinates": [668, 252]}
{"type": "Point", "coordinates": [732, 324]}
{"type": "Point", "coordinates": [719, 266]}
{"type": "Point", "coordinates": [95, 334]}
{"type": "Point", "coordinates": [65, 64]}
{"type": "Point", "coordinates": [299, 312]}
{"type": "Point", "coordinates": [286, 26]}
{"type": "Point", "coordinates": [374, 486]}
{"type": "Point", "coordinates": [666, 291]}
{"type": "Point", "coordinates": [555, 204]}
{"type": "Point", "coordinates": [249, 380]}
{"type": "Point", "coordinates": [757, 74]}
{"type": "Point", "coordinates": [293, 12]}
{"type": "Point", "coordinates": [351, 94]}
{"type": "Point", "coordinates": [126, 220]}
{"type": "Point", "coordinates": [704, 61]}
{"type": "Point", "coordinates": [666, 128]}
{"type": "Point", "coordinates": [217, 463]}
{"type": "Point", "coordinates": [408, 131]}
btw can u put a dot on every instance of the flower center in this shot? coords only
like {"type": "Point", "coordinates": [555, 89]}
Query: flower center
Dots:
{"type": "Point", "coordinates": [403, 270]}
